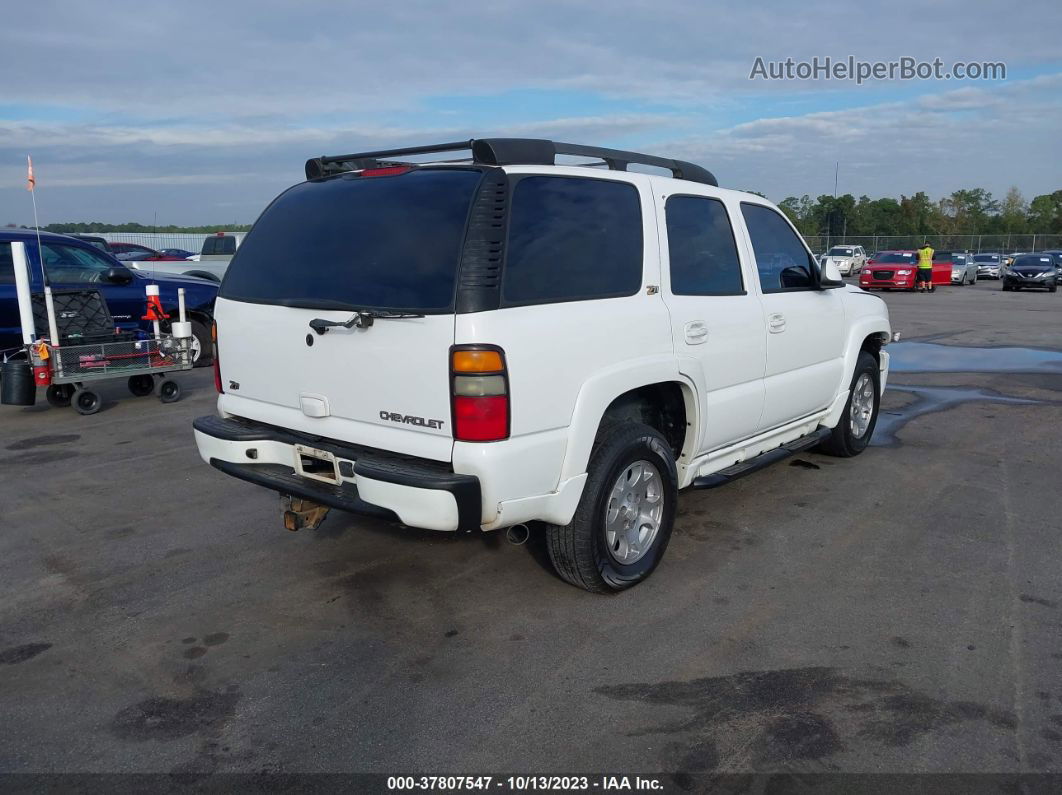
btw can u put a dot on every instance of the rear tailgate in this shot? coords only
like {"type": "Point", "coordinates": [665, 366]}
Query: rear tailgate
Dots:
{"type": "Point", "coordinates": [327, 249]}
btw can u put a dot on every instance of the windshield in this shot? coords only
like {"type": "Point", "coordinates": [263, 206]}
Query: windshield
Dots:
{"type": "Point", "coordinates": [841, 252]}
{"type": "Point", "coordinates": [349, 241]}
{"type": "Point", "coordinates": [942, 256]}
{"type": "Point", "coordinates": [894, 256]}
{"type": "Point", "coordinates": [986, 257]}
{"type": "Point", "coordinates": [1032, 259]}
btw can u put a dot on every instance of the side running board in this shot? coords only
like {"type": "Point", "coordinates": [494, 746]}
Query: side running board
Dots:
{"type": "Point", "coordinates": [724, 476]}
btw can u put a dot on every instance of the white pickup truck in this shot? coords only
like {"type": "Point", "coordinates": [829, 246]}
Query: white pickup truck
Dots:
{"type": "Point", "coordinates": [210, 263]}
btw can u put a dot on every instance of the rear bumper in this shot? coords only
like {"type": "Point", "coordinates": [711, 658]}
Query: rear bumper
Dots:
{"type": "Point", "coordinates": [414, 491]}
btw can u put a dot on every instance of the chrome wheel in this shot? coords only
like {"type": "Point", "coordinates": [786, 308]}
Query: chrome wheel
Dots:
{"type": "Point", "coordinates": [634, 512]}
{"type": "Point", "coordinates": [197, 349]}
{"type": "Point", "coordinates": [862, 406]}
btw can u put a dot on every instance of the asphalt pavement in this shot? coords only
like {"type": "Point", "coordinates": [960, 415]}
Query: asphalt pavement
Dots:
{"type": "Point", "coordinates": [896, 612]}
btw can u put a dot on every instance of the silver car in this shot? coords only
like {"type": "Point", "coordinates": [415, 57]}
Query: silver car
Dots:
{"type": "Point", "coordinates": [963, 269]}
{"type": "Point", "coordinates": [989, 266]}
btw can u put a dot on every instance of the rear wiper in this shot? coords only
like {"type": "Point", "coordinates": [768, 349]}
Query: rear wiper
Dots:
{"type": "Point", "coordinates": [363, 318]}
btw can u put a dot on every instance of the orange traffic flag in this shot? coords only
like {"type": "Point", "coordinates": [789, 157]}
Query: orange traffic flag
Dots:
{"type": "Point", "coordinates": [30, 179]}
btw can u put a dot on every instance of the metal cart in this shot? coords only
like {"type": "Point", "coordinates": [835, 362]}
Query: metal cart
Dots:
{"type": "Point", "coordinates": [144, 362]}
{"type": "Point", "coordinates": [83, 346]}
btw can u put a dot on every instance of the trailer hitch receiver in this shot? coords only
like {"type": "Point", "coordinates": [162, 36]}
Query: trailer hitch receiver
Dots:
{"type": "Point", "coordinates": [302, 514]}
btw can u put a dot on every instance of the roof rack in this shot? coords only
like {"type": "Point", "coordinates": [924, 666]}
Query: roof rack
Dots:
{"type": "Point", "coordinates": [508, 152]}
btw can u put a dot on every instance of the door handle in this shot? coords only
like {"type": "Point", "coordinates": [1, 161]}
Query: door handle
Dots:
{"type": "Point", "coordinates": [696, 332]}
{"type": "Point", "coordinates": [776, 322]}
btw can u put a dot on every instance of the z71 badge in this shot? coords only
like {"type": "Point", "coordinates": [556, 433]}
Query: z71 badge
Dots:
{"type": "Point", "coordinates": [409, 419]}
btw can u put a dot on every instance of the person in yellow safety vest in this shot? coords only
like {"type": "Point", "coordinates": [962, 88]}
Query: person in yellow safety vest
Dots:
{"type": "Point", "coordinates": [924, 280]}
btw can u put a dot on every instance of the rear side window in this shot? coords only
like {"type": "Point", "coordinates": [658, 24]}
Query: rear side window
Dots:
{"type": "Point", "coordinates": [700, 241]}
{"type": "Point", "coordinates": [219, 245]}
{"type": "Point", "coordinates": [354, 242]}
{"type": "Point", "coordinates": [572, 239]}
{"type": "Point", "coordinates": [781, 259]}
{"type": "Point", "coordinates": [7, 264]}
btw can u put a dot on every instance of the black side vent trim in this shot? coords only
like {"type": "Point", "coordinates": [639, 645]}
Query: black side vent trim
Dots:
{"type": "Point", "coordinates": [479, 282]}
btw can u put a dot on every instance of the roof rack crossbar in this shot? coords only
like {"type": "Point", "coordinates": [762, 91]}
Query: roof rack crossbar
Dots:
{"type": "Point", "coordinates": [511, 152]}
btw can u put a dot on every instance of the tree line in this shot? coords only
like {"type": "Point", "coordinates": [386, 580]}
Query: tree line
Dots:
{"type": "Point", "coordinates": [132, 226]}
{"type": "Point", "coordinates": [965, 212]}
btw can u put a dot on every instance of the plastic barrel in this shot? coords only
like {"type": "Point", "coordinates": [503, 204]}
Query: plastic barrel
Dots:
{"type": "Point", "coordinates": [16, 384]}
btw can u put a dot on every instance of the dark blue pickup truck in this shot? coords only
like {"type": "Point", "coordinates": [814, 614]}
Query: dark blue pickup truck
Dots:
{"type": "Point", "coordinates": [75, 264]}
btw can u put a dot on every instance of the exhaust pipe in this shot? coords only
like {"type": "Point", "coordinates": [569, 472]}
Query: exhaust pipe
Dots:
{"type": "Point", "coordinates": [518, 534]}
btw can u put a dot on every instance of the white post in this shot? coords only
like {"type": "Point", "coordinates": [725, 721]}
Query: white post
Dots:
{"type": "Point", "coordinates": [180, 304]}
{"type": "Point", "coordinates": [22, 290]}
{"type": "Point", "coordinates": [53, 331]}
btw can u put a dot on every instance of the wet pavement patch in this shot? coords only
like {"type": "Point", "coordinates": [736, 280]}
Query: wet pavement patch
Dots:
{"type": "Point", "coordinates": [764, 718]}
{"type": "Point", "coordinates": [18, 654]}
{"type": "Point", "coordinates": [43, 441]}
{"type": "Point", "coordinates": [928, 357]}
{"type": "Point", "coordinates": [931, 399]}
{"type": "Point", "coordinates": [172, 718]}
{"type": "Point", "coordinates": [1036, 600]}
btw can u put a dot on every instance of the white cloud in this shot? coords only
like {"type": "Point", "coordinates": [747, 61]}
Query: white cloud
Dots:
{"type": "Point", "coordinates": [230, 98]}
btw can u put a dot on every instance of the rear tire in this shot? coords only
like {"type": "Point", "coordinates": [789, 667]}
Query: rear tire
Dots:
{"type": "Point", "coordinates": [856, 426]}
{"type": "Point", "coordinates": [623, 523]}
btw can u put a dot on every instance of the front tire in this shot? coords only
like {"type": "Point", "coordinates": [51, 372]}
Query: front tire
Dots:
{"type": "Point", "coordinates": [59, 395]}
{"type": "Point", "coordinates": [201, 345]}
{"type": "Point", "coordinates": [86, 401]}
{"type": "Point", "coordinates": [856, 426]}
{"type": "Point", "coordinates": [623, 523]}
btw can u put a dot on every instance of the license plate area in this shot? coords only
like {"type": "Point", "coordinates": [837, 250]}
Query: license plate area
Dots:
{"type": "Point", "coordinates": [316, 464]}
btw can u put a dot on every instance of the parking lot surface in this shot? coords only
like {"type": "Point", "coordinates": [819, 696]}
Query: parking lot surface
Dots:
{"type": "Point", "coordinates": [896, 612]}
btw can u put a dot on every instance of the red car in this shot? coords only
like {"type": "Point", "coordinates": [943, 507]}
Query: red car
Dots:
{"type": "Point", "coordinates": [134, 252]}
{"type": "Point", "coordinates": [895, 270]}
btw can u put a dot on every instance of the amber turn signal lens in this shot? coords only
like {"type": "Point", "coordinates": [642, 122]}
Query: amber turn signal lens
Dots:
{"type": "Point", "coordinates": [478, 362]}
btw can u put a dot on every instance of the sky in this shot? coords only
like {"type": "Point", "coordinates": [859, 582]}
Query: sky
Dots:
{"type": "Point", "coordinates": [200, 113]}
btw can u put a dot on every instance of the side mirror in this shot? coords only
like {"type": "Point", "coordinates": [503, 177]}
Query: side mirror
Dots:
{"type": "Point", "coordinates": [830, 276]}
{"type": "Point", "coordinates": [117, 276]}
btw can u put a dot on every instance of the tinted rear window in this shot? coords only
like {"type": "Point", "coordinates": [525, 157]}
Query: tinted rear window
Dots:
{"type": "Point", "coordinates": [703, 255]}
{"type": "Point", "coordinates": [7, 264]}
{"type": "Point", "coordinates": [572, 238]}
{"type": "Point", "coordinates": [358, 242]}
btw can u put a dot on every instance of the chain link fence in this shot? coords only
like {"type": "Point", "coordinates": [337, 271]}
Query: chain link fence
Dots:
{"type": "Point", "coordinates": [1003, 244]}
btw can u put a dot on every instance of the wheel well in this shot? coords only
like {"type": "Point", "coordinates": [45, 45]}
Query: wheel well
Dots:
{"type": "Point", "coordinates": [872, 345]}
{"type": "Point", "coordinates": [660, 406]}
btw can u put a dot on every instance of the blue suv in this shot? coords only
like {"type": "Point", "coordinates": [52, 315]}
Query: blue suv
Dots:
{"type": "Point", "coordinates": [75, 264]}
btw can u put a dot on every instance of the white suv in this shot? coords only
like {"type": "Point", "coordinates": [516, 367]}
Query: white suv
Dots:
{"type": "Point", "coordinates": [849, 260]}
{"type": "Point", "coordinates": [478, 344]}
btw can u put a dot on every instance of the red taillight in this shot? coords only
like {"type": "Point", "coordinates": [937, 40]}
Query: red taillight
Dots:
{"type": "Point", "coordinates": [217, 359]}
{"type": "Point", "coordinates": [385, 171]}
{"type": "Point", "coordinates": [481, 419]}
{"type": "Point", "coordinates": [479, 393]}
